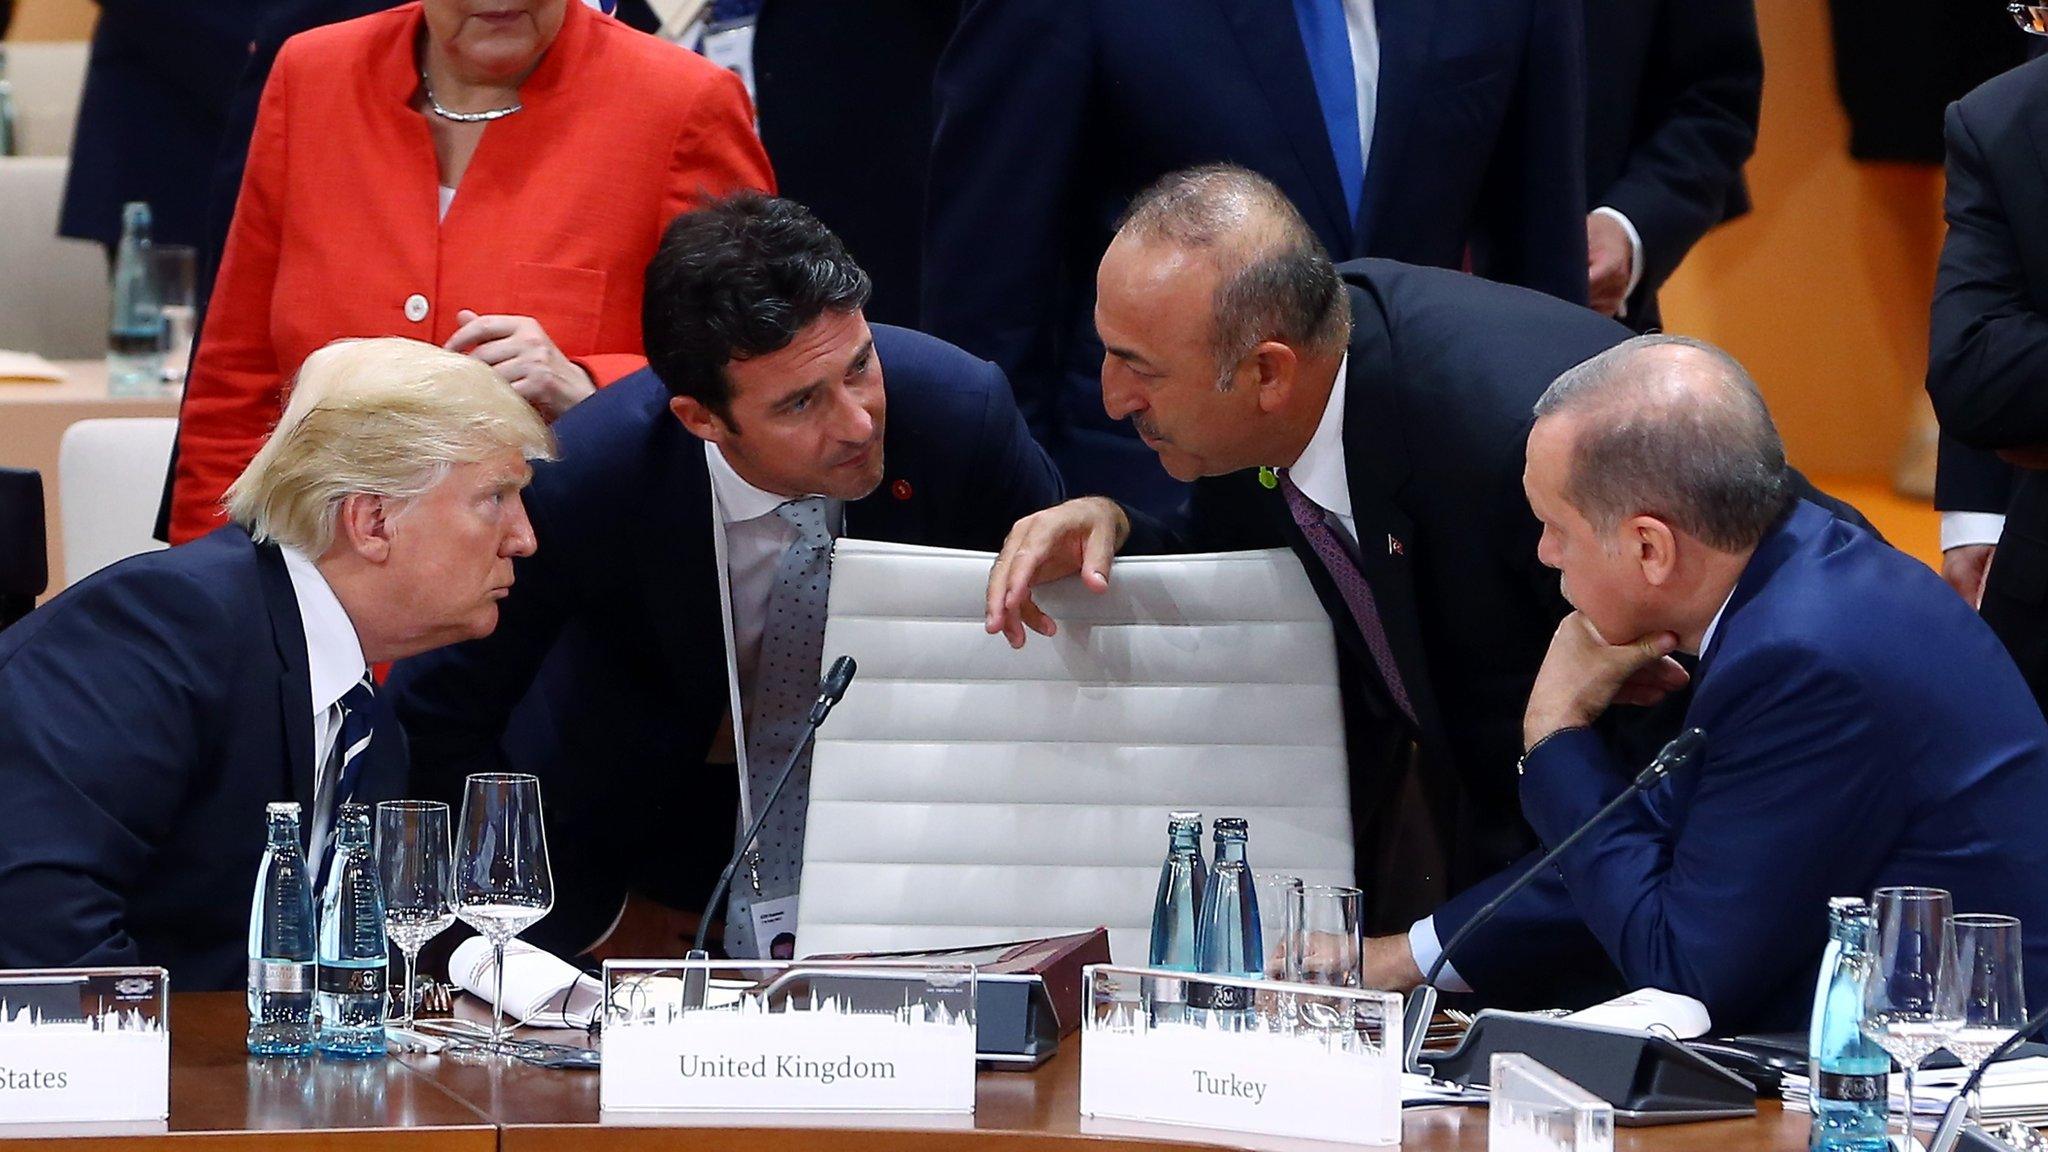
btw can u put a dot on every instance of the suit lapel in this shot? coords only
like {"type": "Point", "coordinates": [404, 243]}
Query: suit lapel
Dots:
{"type": "Point", "coordinates": [294, 682]}
{"type": "Point", "coordinates": [1404, 27]}
{"type": "Point", "coordinates": [1271, 40]}
{"type": "Point", "coordinates": [1376, 466]}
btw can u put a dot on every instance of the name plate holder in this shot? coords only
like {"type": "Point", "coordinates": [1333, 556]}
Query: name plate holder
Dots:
{"type": "Point", "coordinates": [1246, 1055]}
{"type": "Point", "coordinates": [725, 1036]}
{"type": "Point", "coordinates": [84, 1046]}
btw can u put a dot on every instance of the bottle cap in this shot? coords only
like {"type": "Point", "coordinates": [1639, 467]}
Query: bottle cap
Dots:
{"type": "Point", "coordinates": [282, 808]}
{"type": "Point", "coordinates": [1846, 904]}
{"type": "Point", "coordinates": [1183, 818]}
{"type": "Point", "coordinates": [1231, 826]}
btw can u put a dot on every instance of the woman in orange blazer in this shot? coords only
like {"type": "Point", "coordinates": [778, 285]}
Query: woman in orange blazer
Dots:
{"type": "Point", "coordinates": [490, 175]}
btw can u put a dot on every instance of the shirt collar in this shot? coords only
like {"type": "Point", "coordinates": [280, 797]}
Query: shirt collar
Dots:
{"type": "Point", "coordinates": [1320, 472]}
{"type": "Point", "coordinates": [1714, 625]}
{"type": "Point", "coordinates": [740, 501]}
{"type": "Point", "coordinates": [334, 655]}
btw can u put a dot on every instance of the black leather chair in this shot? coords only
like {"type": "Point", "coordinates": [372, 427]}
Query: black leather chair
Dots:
{"type": "Point", "coordinates": [24, 543]}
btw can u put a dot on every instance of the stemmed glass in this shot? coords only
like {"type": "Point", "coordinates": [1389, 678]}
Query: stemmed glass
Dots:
{"type": "Point", "coordinates": [1912, 1004]}
{"type": "Point", "coordinates": [502, 882]}
{"type": "Point", "coordinates": [1990, 970]}
{"type": "Point", "coordinates": [419, 882]}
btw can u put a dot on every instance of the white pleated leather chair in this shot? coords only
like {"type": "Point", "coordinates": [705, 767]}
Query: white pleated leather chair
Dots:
{"type": "Point", "coordinates": [110, 478]}
{"type": "Point", "coordinates": [967, 793]}
{"type": "Point", "coordinates": [53, 291]}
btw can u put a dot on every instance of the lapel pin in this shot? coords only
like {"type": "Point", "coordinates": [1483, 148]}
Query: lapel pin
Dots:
{"type": "Point", "coordinates": [1394, 546]}
{"type": "Point", "coordinates": [900, 489]}
{"type": "Point", "coordinates": [1268, 478]}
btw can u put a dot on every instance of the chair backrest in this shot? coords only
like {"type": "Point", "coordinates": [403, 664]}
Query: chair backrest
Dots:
{"type": "Point", "coordinates": [967, 793]}
{"type": "Point", "coordinates": [48, 80]}
{"type": "Point", "coordinates": [24, 543]}
{"type": "Point", "coordinates": [53, 291]}
{"type": "Point", "coordinates": [110, 476]}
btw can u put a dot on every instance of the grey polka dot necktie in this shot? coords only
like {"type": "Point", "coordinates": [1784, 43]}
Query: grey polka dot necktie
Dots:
{"type": "Point", "coordinates": [785, 685]}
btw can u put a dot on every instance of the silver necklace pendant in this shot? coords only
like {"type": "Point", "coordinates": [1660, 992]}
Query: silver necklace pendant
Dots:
{"type": "Point", "coordinates": [483, 117]}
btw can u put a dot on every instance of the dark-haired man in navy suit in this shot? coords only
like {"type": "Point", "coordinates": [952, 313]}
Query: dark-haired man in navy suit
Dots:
{"type": "Point", "coordinates": [1864, 729]}
{"type": "Point", "coordinates": [687, 527]}
{"type": "Point", "coordinates": [1437, 132]}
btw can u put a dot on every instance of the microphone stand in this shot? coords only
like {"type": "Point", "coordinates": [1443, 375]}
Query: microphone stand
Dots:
{"type": "Point", "coordinates": [1421, 1006]}
{"type": "Point", "coordinates": [829, 691]}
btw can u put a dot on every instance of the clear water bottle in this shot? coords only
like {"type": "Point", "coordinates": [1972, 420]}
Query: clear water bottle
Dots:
{"type": "Point", "coordinates": [353, 956]}
{"type": "Point", "coordinates": [281, 939]}
{"type": "Point", "coordinates": [135, 331]}
{"type": "Point", "coordinates": [1227, 938]}
{"type": "Point", "coordinates": [10, 123]}
{"type": "Point", "coordinates": [1174, 910]}
{"type": "Point", "coordinates": [1850, 1072]}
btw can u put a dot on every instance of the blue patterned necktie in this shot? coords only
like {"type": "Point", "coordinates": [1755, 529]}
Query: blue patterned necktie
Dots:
{"type": "Point", "coordinates": [337, 785]}
{"type": "Point", "coordinates": [1329, 62]}
{"type": "Point", "coordinates": [785, 685]}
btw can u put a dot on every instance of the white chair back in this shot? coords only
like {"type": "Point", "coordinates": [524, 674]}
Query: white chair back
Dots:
{"type": "Point", "coordinates": [966, 793]}
{"type": "Point", "coordinates": [53, 292]}
{"type": "Point", "coordinates": [48, 79]}
{"type": "Point", "coordinates": [110, 478]}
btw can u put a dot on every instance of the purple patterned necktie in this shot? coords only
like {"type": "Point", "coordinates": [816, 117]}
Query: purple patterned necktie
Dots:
{"type": "Point", "coordinates": [1344, 572]}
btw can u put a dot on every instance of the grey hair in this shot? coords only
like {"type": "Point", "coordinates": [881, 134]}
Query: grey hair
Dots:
{"type": "Point", "coordinates": [1277, 282]}
{"type": "Point", "coordinates": [1690, 442]}
{"type": "Point", "coordinates": [386, 416]}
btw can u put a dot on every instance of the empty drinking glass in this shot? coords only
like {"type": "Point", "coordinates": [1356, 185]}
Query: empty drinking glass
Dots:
{"type": "Point", "coordinates": [1275, 891]}
{"type": "Point", "coordinates": [502, 882]}
{"type": "Point", "coordinates": [1325, 944]}
{"type": "Point", "coordinates": [1912, 1003]}
{"type": "Point", "coordinates": [1990, 978]}
{"type": "Point", "coordinates": [171, 271]}
{"type": "Point", "coordinates": [419, 881]}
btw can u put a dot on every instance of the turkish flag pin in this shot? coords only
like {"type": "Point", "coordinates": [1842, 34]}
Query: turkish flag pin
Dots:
{"type": "Point", "coordinates": [1394, 547]}
{"type": "Point", "coordinates": [901, 490]}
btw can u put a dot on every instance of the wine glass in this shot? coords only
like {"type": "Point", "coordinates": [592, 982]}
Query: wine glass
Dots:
{"type": "Point", "coordinates": [502, 882]}
{"type": "Point", "coordinates": [1990, 970]}
{"type": "Point", "coordinates": [1325, 945]}
{"type": "Point", "coordinates": [419, 882]}
{"type": "Point", "coordinates": [1911, 1005]}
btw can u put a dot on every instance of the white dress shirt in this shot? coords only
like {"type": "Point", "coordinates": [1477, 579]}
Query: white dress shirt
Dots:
{"type": "Point", "coordinates": [755, 540]}
{"type": "Point", "coordinates": [1963, 528]}
{"type": "Point", "coordinates": [334, 664]}
{"type": "Point", "coordinates": [1320, 472]}
{"type": "Point", "coordinates": [1423, 943]}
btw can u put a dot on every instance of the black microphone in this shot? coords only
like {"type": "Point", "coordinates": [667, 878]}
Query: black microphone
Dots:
{"type": "Point", "coordinates": [1422, 1002]}
{"type": "Point", "coordinates": [1958, 1112]}
{"type": "Point", "coordinates": [829, 691]}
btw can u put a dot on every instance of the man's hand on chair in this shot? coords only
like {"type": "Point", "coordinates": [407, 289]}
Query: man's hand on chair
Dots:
{"type": "Point", "coordinates": [1078, 536]}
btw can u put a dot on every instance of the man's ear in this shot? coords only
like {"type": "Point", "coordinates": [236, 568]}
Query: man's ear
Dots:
{"type": "Point", "coordinates": [362, 525]}
{"type": "Point", "coordinates": [1276, 370]}
{"type": "Point", "coordinates": [701, 421]}
{"type": "Point", "coordinates": [1655, 547]}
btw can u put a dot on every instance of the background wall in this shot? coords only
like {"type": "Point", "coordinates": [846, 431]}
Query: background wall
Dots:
{"type": "Point", "coordinates": [52, 19]}
{"type": "Point", "coordinates": [1823, 290]}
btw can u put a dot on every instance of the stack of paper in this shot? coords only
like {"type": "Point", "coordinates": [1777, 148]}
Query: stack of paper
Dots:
{"type": "Point", "coordinates": [29, 367]}
{"type": "Point", "coordinates": [2012, 1090]}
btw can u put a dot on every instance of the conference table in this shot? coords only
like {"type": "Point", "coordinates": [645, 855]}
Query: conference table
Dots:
{"type": "Point", "coordinates": [222, 1099]}
{"type": "Point", "coordinates": [33, 417]}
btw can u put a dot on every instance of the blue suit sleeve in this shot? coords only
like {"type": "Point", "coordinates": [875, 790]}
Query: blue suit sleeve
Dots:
{"type": "Point", "coordinates": [1713, 905]}
{"type": "Point", "coordinates": [1988, 348]}
{"type": "Point", "coordinates": [1010, 98]}
{"type": "Point", "coordinates": [1534, 216]}
{"type": "Point", "coordinates": [455, 702]}
{"type": "Point", "coordinates": [107, 710]}
{"type": "Point", "coordinates": [1021, 478]}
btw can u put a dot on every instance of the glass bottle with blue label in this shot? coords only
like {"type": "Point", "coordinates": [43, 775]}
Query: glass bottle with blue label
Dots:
{"type": "Point", "coordinates": [1227, 938]}
{"type": "Point", "coordinates": [353, 954]}
{"type": "Point", "coordinates": [1850, 1072]}
{"type": "Point", "coordinates": [281, 943]}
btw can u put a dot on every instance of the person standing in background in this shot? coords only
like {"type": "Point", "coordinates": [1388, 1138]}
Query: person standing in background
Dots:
{"type": "Point", "coordinates": [1673, 92]}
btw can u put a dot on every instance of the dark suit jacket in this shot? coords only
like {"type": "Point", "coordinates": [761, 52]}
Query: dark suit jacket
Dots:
{"type": "Point", "coordinates": [1988, 348]}
{"type": "Point", "coordinates": [1863, 730]}
{"type": "Point", "coordinates": [1052, 114]}
{"type": "Point", "coordinates": [1444, 371]}
{"type": "Point", "coordinates": [146, 717]}
{"type": "Point", "coordinates": [1673, 90]}
{"type": "Point", "coordinates": [157, 89]}
{"type": "Point", "coordinates": [607, 673]}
